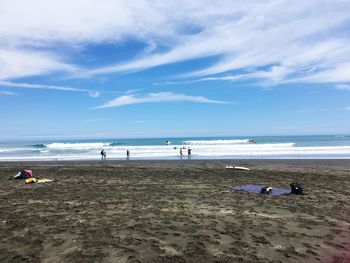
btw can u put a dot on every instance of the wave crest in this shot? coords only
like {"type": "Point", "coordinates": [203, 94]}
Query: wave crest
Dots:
{"type": "Point", "coordinates": [39, 145]}
{"type": "Point", "coordinates": [115, 144]}
{"type": "Point", "coordinates": [216, 142]}
{"type": "Point", "coordinates": [78, 146]}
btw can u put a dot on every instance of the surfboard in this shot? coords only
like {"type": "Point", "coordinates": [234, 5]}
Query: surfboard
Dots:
{"type": "Point", "coordinates": [241, 168]}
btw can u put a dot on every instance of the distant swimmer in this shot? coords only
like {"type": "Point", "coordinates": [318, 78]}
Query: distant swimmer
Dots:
{"type": "Point", "coordinates": [252, 141]}
{"type": "Point", "coordinates": [127, 154]}
{"type": "Point", "coordinates": [189, 152]}
{"type": "Point", "coordinates": [167, 142]}
{"type": "Point", "coordinates": [103, 155]}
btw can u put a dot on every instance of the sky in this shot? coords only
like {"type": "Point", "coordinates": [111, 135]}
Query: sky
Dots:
{"type": "Point", "coordinates": [141, 68]}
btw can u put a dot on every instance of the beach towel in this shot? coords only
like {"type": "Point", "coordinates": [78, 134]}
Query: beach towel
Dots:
{"type": "Point", "coordinates": [30, 181]}
{"type": "Point", "coordinates": [44, 180]}
{"type": "Point", "coordinates": [257, 189]}
{"type": "Point", "coordinates": [37, 181]}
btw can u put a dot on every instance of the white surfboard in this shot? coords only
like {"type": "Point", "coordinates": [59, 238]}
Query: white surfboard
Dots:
{"type": "Point", "coordinates": [241, 168]}
{"type": "Point", "coordinates": [237, 167]}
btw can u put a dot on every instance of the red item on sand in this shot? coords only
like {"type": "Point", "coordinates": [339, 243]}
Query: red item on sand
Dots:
{"type": "Point", "coordinates": [29, 172]}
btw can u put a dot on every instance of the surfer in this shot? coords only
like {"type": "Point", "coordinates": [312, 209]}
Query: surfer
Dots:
{"type": "Point", "coordinates": [181, 153]}
{"type": "Point", "coordinates": [127, 154]}
{"type": "Point", "coordinates": [189, 152]}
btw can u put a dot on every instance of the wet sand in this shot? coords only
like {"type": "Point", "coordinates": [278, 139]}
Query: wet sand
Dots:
{"type": "Point", "coordinates": [175, 211]}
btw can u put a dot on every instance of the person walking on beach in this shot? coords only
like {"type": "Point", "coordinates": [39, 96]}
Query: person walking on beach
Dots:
{"type": "Point", "coordinates": [189, 151]}
{"type": "Point", "coordinates": [181, 153]}
{"type": "Point", "coordinates": [103, 155]}
{"type": "Point", "coordinates": [127, 154]}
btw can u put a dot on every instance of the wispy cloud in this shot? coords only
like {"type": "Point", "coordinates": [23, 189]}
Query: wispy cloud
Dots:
{"type": "Point", "coordinates": [132, 91]}
{"type": "Point", "coordinates": [274, 74]}
{"type": "Point", "coordinates": [333, 74]}
{"type": "Point", "coordinates": [92, 94]}
{"type": "Point", "coordinates": [4, 92]}
{"type": "Point", "coordinates": [271, 40]}
{"type": "Point", "coordinates": [156, 98]}
{"type": "Point", "coordinates": [38, 86]}
{"type": "Point", "coordinates": [343, 87]}
{"type": "Point", "coordinates": [286, 42]}
{"type": "Point", "coordinates": [22, 62]}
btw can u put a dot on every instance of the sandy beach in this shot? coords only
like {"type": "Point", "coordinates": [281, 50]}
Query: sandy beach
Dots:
{"type": "Point", "coordinates": [175, 211]}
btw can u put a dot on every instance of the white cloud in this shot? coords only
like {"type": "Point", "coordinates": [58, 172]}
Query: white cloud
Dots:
{"type": "Point", "coordinates": [338, 73]}
{"type": "Point", "coordinates": [132, 91]}
{"type": "Point", "coordinates": [343, 87]}
{"type": "Point", "coordinates": [4, 92]}
{"type": "Point", "coordinates": [287, 41]}
{"type": "Point", "coordinates": [94, 94]}
{"type": "Point", "coordinates": [270, 40]}
{"type": "Point", "coordinates": [91, 93]}
{"type": "Point", "coordinates": [154, 98]}
{"type": "Point", "coordinates": [17, 63]}
{"type": "Point", "coordinates": [274, 74]}
{"type": "Point", "coordinates": [79, 21]}
{"type": "Point", "coordinates": [38, 86]}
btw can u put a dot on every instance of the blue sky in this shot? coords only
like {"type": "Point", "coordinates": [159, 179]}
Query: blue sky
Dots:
{"type": "Point", "coordinates": [143, 68]}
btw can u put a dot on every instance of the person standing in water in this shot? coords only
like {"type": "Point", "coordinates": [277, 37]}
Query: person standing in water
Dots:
{"type": "Point", "coordinates": [181, 153]}
{"type": "Point", "coordinates": [189, 151]}
{"type": "Point", "coordinates": [127, 154]}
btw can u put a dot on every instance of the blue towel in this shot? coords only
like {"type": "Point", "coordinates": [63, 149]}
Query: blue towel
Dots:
{"type": "Point", "coordinates": [257, 188]}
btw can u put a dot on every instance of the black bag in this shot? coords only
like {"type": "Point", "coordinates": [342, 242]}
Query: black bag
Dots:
{"type": "Point", "coordinates": [296, 189]}
{"type": "Point", "coordinates": [266, 190]}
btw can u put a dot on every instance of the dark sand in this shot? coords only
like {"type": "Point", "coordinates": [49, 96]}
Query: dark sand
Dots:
{"type": "Point", "coordinates": [175, 211]}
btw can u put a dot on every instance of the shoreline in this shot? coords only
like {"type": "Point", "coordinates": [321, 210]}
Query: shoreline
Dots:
{"type": "Point", "coordinates": [208, 163]}
{"type": "Point", "coordinates": [215, 148]}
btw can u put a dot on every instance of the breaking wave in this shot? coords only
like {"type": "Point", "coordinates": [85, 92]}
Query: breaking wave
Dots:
{"type": "Point", "coordinates": [77, 146]}
{"type": "Point", "coordinates": [115, 144]}
{"type": "Point", "coordinates": [155, 149]}
{"type": "Point", "coordinates": [39, 145]}
{"type": "Point", "coordinates": [216, 142]}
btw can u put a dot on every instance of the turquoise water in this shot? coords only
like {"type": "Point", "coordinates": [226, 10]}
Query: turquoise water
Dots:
{"type": "Point", "coordinates": [326, 146]}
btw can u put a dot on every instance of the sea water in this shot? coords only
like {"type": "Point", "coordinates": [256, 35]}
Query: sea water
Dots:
{"type": "Point", "coordinates": [266, 147]}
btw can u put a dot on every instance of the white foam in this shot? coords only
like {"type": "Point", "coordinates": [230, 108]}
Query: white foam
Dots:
{"type": "Point", "coordinates": [215, 142]}
{"type": "Point", "coordinates": [249, 150]}
{"type": "Point", "coordinates": [77, 145]}
{"type": "Point", "coordinates": [6, 150]}
{"type": "Point", "coordinates": [14, 149]}
{"type": "Point", "coordinates": [91, 151]}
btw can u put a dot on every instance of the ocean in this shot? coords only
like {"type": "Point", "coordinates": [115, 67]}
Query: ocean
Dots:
{"type": "Point", "coordinates": [266, 147]}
